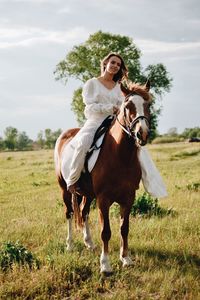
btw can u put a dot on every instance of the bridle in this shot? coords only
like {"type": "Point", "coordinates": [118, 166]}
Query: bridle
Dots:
{"type": "Point", "coordinates": [129, 126]}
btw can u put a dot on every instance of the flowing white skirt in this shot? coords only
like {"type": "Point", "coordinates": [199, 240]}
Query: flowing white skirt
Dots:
{"type": "Point", "coordinates": [151, 178]}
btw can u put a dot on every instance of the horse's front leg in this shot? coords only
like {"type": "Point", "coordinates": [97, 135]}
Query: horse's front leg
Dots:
{"type": "Point", "coordinates": [105, 236]}
{"type": "Point", "coordinates": [124, 255]}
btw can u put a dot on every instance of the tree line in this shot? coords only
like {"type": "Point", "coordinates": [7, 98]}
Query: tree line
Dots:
{"type": "Point", "coordinates": [15, 140]}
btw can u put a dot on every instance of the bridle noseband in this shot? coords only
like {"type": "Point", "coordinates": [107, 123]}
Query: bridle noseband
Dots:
{"type": "Point", "coordinates": [129, 126]}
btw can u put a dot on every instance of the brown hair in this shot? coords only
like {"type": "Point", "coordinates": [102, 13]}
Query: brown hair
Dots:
{"type": "Point", "coordinates": [123, 71]}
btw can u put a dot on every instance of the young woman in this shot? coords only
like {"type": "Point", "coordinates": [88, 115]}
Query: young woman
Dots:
{"type": "Point", "coordinates": [103, 97]}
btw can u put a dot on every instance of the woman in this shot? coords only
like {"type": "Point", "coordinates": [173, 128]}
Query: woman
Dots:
{"type": "Point", "coordinates": [102, 97]}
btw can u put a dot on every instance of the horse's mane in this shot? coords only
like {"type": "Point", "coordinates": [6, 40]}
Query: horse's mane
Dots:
{"type": "Point", "coordinates": [141, 90]}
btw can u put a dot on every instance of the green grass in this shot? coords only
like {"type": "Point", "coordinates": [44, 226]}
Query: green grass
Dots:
{"type": "Point", "coordinates": [166, 250]}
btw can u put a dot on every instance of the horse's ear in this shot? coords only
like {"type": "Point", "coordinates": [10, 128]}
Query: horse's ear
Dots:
{"type": "Point", "coordinates": [147, 85]}
{"type": "Point", "coordinates": [124, 90]}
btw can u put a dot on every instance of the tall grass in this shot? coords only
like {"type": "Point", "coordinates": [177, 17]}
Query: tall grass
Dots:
{"type": "Point", "coordinates": [166, 250]}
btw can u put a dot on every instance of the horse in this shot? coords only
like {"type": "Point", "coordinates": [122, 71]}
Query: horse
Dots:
{"type": "Point", "coordinates": [115, 176]}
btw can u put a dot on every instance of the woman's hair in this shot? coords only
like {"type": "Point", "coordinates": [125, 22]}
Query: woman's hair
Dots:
{"type": "Point", "coordinates": [123, 71]}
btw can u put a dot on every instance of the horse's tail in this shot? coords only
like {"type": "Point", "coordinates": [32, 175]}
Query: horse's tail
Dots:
{"type": "Point", "coordinates": [77, 213]}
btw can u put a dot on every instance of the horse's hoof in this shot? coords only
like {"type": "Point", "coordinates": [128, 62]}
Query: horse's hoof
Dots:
{"type": "Point", "coordinates": [90, 246]}
{"type": "Point", "coordinates": [126, 261]}
{"type": "Point", "coordinates": [107, 274]}
{"type": "Point", "coordinates": [106, 271]}
{"type": "Point", "coordinates": [69, 248]}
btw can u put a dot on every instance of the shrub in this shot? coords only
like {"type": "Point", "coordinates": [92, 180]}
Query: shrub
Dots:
{"type": "Point", "coordinates": [147, 205]}
{"type": "Point", "coordinates": [144, 205]}
{"type": "Point", "coordinates": [193, 186]}
{"type": "Point", "coordinates": [14, 253]}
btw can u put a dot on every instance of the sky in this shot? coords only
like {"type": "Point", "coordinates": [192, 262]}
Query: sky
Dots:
{"type": "Point", "coordinates": [35, 35]}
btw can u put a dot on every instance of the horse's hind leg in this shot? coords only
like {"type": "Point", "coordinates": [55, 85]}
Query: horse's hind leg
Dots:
{"type": "Point", "coordinates": [69, 213]}
{"type": "Point", "coordinates": [85, 208]}
{"type": "Point", "coordinates": [124, 255]}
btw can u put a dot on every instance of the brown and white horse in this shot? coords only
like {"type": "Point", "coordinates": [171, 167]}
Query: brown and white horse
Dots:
{"type": "Point", "coordinates": [116, 175]}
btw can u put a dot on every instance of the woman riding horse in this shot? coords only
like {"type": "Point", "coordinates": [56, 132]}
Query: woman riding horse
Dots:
{"type": "Point", "coordinates": [117, 173]}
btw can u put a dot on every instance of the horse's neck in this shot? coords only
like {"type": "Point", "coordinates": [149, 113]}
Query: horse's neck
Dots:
{"type": "Point", "coordinates": [124, 144]}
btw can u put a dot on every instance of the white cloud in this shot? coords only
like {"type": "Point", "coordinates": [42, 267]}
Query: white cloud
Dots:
{"type": "Point", "coordinates": [33, 1]}
{"type": "Point", "coordinates": [64, 10]}
{"type": "Point", "coordinates": [25, 37]}
{"type": "Point", "coordinates": [154, 47]}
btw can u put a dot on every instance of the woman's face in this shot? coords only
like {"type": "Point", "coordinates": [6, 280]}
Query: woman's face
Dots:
{"type": "Point", "coordinates": [113, 65]}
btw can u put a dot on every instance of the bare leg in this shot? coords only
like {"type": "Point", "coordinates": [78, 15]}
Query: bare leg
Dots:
{"type": "Point", "coordinates": [124, 256]}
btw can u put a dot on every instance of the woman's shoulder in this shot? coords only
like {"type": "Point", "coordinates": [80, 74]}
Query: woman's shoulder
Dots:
{"type": "Point", "coordinates": [90, 82]}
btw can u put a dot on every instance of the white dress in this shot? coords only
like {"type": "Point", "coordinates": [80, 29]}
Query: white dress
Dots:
{"type": "Point", "coordinates": [99, 102]}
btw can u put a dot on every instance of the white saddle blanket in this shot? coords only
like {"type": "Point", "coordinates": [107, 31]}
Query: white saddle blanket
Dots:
{"type": "Point", "coordinates": [69, 149]}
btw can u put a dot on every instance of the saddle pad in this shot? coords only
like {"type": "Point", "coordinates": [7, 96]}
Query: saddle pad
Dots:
{"type": "Point", "coordinates": [68, 152]}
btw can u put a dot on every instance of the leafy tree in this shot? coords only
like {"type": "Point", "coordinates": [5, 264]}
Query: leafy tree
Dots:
{"type": "Point", "coordinates": [40, 139]}
{"type": "Point", "coordinates": [172, 131]}
{"type": "Point", "coordinates": [2, 144]}
{"type": "Point", "coordinates": [191, 132]}
{"type": "Point", "coordinates": [47, 139]}
{"type": "Point", "coordinates": [10, 138]}
{"type": "Point", "coordinates": [23, 141]}
{"type": "Point", "coordinates": [83, 62]}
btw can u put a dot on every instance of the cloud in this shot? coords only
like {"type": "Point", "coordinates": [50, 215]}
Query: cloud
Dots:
{"type": "Point", "coordinates": [64, 10]}
{"type": "Point", "coordinates": [158, 47]}
{"type": "Point", "coordinates": [31, 1]}
{"type": "Point", "coordinates": [29, 36]}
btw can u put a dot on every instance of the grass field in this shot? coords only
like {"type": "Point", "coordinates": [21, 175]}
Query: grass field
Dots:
{"type": "Point", "coordinates": [166, 250]}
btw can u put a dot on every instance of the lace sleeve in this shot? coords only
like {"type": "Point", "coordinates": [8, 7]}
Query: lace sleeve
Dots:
{"type": "Point", "coordinates": [89, 92]}
{"type": "Point", "coordinates": [90, 98]}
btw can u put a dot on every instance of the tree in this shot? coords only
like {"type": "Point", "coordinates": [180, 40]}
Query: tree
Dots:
{"type": "Point", "coordinates": [10, 138]}
{"type": "Point", "coordinates": [172, 131]}
{"type": "Point", "coordinates": [23, 141]}
{"type": "Point", "coordinates": [48, 138]}
{"type": "Point", "coordinates": [40, 139]}
{"type": "Point", "coordinates": [51, 137]}
{"type": "Point", "coordinates": [2, 144]}
{"type": "Point", "coordinates": [83, 62]}
{"type": "Point", "coordinates": [191, 132]}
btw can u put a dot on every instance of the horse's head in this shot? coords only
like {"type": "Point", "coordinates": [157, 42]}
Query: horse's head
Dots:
{"type": "Point", "coordinates": [135, 111]}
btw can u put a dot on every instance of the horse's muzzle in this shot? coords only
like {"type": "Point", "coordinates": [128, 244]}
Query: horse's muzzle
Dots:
{"type": "Point", "coordinates": [141, 141]}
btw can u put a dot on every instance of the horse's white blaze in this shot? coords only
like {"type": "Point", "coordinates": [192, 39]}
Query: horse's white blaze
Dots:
{"type": "Point", "coordinates": [69, 234]}
{"type": "Point", "coordinates": [139, 105]}
{"type": "Point", "coordinates": [87, 235]}
{"type": "Point", "coordinates": [105, 263]}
